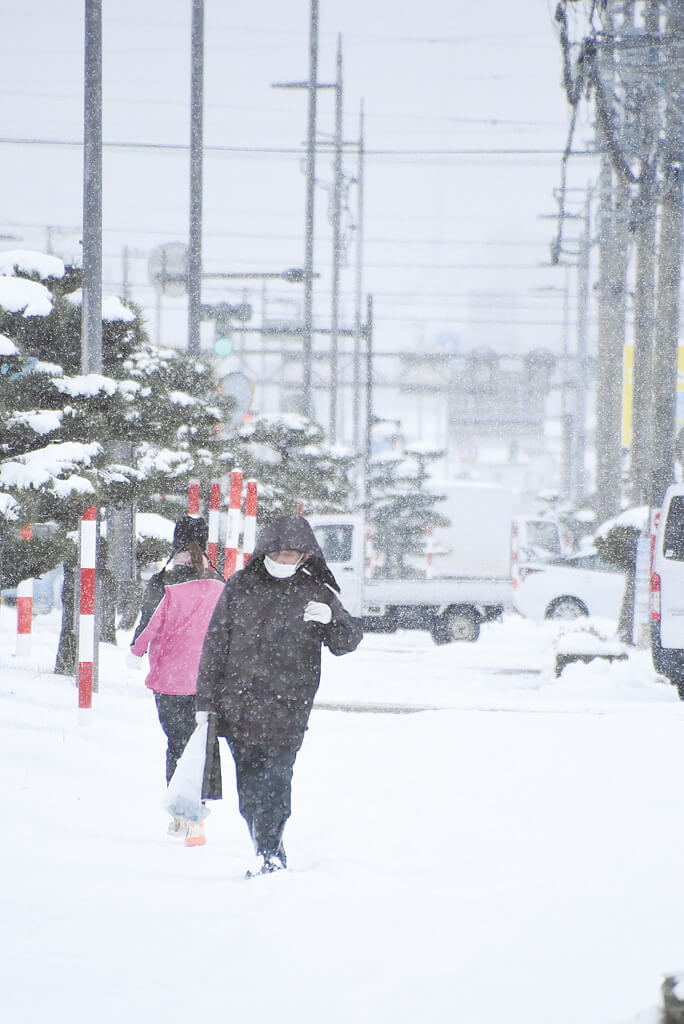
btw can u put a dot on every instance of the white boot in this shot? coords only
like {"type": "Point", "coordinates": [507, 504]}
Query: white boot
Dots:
{"type": "Point", "coordinates": [177, 828]}
{"type": "Point", "coordinates": [195, 834]}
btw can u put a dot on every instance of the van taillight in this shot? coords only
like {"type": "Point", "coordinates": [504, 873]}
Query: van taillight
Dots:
{"type": "Point", "coordinates": [654, 597]}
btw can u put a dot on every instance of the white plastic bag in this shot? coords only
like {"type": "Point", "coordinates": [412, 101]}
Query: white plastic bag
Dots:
{"type": "Point", "coordinates": [184, 792]}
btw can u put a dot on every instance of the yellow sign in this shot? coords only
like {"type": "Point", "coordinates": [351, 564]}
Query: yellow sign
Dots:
{"type": "Point", "coordinates": [627, 387]}
{"type": "Point", "coordinates": [627, 384]}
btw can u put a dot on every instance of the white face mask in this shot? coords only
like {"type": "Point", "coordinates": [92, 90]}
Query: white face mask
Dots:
{"type": "Point", "coordinates": [280, 570]}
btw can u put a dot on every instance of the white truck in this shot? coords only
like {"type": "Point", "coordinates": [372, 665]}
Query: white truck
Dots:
{"type": "Point", "coordinates": [466, 577]}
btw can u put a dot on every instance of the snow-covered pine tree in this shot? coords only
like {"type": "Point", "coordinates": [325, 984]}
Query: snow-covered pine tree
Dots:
{"type": "Point", "coordinates": [401, 509]}
{"type": "Point", "coordinates": [297, 470]}
{"type": "Point", "coordinates": [173, 424]}
{"type": "Point", "coordinates": [56, 455]}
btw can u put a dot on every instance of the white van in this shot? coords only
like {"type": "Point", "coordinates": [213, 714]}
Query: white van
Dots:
{"type": "Point", "coordinates": [667, 589]}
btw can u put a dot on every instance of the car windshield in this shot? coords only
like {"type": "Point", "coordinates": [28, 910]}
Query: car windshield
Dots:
{"type": "Point", "coordinates": [541, 534]}
{"type": "Point", "coordinates": [335, 542]}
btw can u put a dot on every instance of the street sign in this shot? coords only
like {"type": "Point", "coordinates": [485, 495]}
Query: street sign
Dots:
{"type": "Point", "coordinates": [628, 386]}
{"type": "Point", "coordinates": [168, 268]}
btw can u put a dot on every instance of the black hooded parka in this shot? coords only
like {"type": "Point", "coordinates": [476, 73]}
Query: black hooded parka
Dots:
{"type": "Point", "coordinates": [261, 662]}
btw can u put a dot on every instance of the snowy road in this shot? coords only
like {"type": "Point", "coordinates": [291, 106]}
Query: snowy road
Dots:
{"type": "Point", "coordinates": [452, 865]}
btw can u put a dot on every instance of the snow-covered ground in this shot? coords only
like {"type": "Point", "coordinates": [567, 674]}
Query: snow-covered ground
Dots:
{"type": "Point", "coordinates": [473, 840]}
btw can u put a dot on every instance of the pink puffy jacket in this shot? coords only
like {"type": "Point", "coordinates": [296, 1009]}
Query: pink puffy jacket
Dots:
{"type": "Point", "coordinates": [175, 634]}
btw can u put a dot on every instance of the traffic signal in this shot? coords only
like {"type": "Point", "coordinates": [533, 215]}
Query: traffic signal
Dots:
{"type": "Point", "coordinates": [223, 313]}
{"type": "Point", "coordinates": [223, 343]}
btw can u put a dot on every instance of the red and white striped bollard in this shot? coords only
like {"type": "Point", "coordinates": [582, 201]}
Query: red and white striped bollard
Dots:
{"type": "Point", "coordinates": [194, 498]}
{"type": "Point", "coordinates": [24, 606]}
{"type": "Point", "coordinates": [213, 522]}
{"type": "Point", "coordinates": [86, 621]}
{"type": "Point", "coordinates": [249, 532]}
{"type": "Point", "coordinates": [233, 531]}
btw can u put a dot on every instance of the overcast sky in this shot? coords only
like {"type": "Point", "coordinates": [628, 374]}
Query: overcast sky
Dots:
{"type": "Point", "coordinates": [455, 243]}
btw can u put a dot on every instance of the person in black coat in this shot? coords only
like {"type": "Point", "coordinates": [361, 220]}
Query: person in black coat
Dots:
{"type": "Point", "coordinates": [260, 669]}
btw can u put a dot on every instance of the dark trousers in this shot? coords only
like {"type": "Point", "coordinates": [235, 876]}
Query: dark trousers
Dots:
{"type": "Point", "coordinates": [177, 717]}
{"type": "Point", "coordinates": [264, 785]}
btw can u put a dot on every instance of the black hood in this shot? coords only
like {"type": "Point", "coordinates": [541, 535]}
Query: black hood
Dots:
{"type": "Point", "coordinates": [293, 533]}
{"type": "Point", "coordinates": [190, 528]}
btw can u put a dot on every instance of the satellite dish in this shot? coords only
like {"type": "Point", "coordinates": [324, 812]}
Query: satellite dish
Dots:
{"type": "Point", "coordinates": [168, 268]}
{"type": "Point", "coordinates": [236, 386]}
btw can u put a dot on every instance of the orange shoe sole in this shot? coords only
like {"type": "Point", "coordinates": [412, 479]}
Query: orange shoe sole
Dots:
{"type": "Point", "coordinates": [196, 841]}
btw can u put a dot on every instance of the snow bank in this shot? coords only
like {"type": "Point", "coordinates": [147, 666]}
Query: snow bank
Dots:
{"type": "Point", "coordinates": [519, 849]}
{"type": "Point", "coordinates": [588, 641]}
{"type": "Point", "coordinates": [603, 680]}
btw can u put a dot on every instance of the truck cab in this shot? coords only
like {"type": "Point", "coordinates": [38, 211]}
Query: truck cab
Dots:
{"type": "Point", "coordinates": [342, 539]}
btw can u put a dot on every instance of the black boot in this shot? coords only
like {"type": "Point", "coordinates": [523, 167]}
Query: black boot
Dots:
{"type": "Point", "coordinates": [281, 855]}
{"type": "Point", "coordinates": [270, 864]}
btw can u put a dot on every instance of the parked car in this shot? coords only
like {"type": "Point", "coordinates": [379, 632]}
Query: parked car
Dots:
{"type": "Point", "coordinates": [46, 591]}
{"type": "Point", "coordinates": [567, 588]}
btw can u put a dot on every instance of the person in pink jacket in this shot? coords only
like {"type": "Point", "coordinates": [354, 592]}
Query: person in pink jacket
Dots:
{"type": "Point", "coordinates": [178, 605]}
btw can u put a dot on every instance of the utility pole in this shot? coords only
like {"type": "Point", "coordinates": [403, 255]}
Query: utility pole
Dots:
{"type": "Point", "coordinates": [582, 378]}
{"type": "Point", "coordinates": [644, 289]}
{"type": "Point", "coordinates": [307, 354]}
{"type": "Point", "coordinates": [613, 216]}
{"type": "Point", "coordinates": [567, 417]}
{"type": "Point", "coordinates": [369, 398]}
{"type": "Point", "coordinates": [91, 309]}
{"type": "Point", "coordinates": [666, 349]}
{"type": "Point", "coordinates": [358, 287]}
{"type": "Point", "coordinates": [312, 86]}
{"type": "Point", "coordinates": [337, 254]}
{"type": "Point", "coordinates": [612, 313]}
{"type": "Point", "coordinates": [613, 246]}
{"type": "Point", "coordinates": [194, 269]}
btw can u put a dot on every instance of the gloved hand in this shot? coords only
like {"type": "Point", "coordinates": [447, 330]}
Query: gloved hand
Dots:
{"type": "Point", "coordinates": [133, 661]}
{"type": "Point", "coordinates": [318, 611]}
{"type": "Point", "coordinates": [201, 717]}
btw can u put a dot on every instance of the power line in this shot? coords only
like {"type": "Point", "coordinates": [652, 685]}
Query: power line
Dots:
{"type": "Point", "coordinates": [289, 151]}
{"type": "Point", "coordinates": [270, 236]}
{"type": "Point", "coordinates": [484, 122]}
{"type": "Point", "coordinates": [454, 266]}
